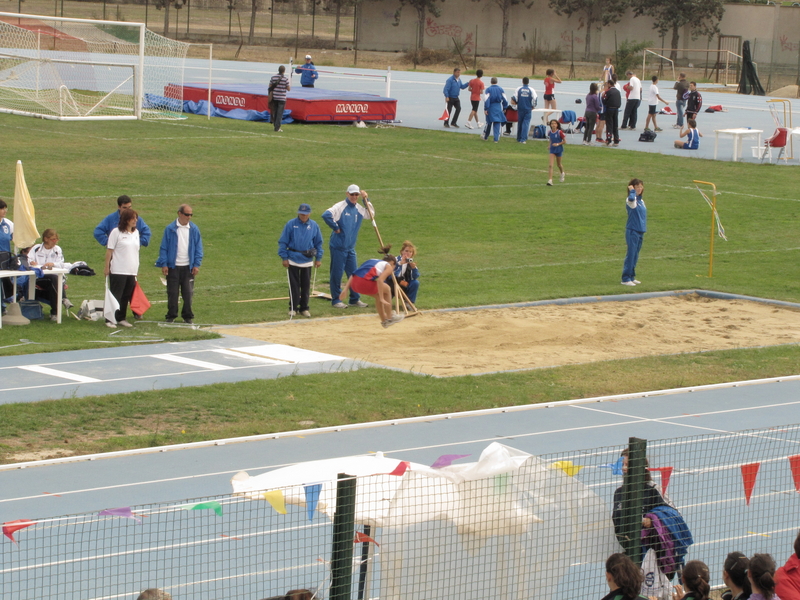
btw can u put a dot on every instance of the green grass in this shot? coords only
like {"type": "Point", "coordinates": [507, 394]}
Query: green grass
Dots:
{"type": "Point", "coordinates": [487, 229]}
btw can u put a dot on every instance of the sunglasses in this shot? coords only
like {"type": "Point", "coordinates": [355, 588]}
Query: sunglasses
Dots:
{"type": "Point", "coordinates": [187, 214]}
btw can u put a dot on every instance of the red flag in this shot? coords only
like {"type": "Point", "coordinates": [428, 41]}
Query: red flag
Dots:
{"type": "Point", "coordinates": [666, 473]}
{"type": "Point", "coordinates": [794, 463]}
{"type": "Point", "coordinates": [12, 526]}
{"type": "Point", "coordinates": [363, 537]}
{"type": "Point", "coordinates": [749, 473]}
{"type": "Point", "coordinates": [401, 468]}
{"type": "Point", "coordinates": [445, 115]}
{"type": "Point", "coordinates": [139, 302]}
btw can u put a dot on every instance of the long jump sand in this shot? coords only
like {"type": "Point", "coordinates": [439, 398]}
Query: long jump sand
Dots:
{"type": "Point", "coordinates": [485, 340]}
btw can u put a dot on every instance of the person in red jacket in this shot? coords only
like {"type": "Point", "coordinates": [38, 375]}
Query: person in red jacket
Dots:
{"type": "Point", "coordinates": [787, 578]}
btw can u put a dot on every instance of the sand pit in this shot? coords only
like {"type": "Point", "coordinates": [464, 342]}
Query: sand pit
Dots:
{"type": "Point", "coordinates": [481, 341]}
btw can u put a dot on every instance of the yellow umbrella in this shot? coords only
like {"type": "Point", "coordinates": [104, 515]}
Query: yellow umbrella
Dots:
{"type": "Point", "coordinates": [24, 217]}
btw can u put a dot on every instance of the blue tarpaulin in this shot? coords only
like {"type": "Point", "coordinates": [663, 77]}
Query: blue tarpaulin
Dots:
{"type": "Point", "coordinates": [201, 108]}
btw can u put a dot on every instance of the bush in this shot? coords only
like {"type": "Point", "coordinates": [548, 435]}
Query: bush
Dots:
{"type": "Point", "coordinates": [629, 55]}
{"type": "Point", "coordinates": [426, 56]}
{"type": "Point", "coordinates": [540, 54]}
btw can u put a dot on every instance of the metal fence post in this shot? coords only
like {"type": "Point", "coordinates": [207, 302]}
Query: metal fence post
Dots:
{"type": "Point", "coordinates": [633, 483]}
{"type": "Point", "coordinates": [343, 532]}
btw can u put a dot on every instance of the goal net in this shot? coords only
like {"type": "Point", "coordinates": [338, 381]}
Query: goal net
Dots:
{"type": "Point", "coordinates": [79, 69]}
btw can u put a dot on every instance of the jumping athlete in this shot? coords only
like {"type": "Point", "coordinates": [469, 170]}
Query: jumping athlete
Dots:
{"type": "Point", "coordinates": [370, 279]}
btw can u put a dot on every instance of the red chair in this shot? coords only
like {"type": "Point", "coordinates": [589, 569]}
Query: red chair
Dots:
{"type": "Point", "coordinates": [778, 140]}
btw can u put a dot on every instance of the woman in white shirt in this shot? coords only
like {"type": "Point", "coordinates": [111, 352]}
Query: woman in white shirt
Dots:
{"type": "Point", "coordinates": [122, 263]}
{"type": "Point", "coordinates": [48, 255]}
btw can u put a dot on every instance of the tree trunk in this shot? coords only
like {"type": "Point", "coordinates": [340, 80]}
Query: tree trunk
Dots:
{"type": "Point", "coordinates": [588, 47]}
{"type": "Point", "coordinates": [421, 20]}
{"type": "Point", "coordinates": [673, 55]}
{"type": "Point", "coordinates": [338, 21]}
{"type": "Point", "coordinates": [504, 39]}
{"type": "Point", "coordinates": [253, 21]}
{"type": "Point", "coordinates": [166, 18]}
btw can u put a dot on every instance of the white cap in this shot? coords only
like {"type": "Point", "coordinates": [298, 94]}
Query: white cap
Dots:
{"type": "Point", "coordinates": [353, 189]}
{"type": "Point", "coordinates": [308, 57]}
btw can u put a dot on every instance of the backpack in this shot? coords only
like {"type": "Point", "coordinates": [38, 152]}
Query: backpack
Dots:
{"type": "Point", "coordinates": [539, 132]}
{"type": "Point", "coordinates": [648, 136]}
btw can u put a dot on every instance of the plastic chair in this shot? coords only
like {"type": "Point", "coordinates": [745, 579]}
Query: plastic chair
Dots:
{"type": "Point", "coordinates": [568, 117]}
{"type": "Point", "coordinates": [778, 140]}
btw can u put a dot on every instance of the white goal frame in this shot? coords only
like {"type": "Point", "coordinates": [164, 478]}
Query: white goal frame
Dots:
{"type": "Point", "coordinates": [65, 107]}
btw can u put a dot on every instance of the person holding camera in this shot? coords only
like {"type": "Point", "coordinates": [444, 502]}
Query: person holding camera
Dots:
{"type": "Point", "coordinates": [300, 247]}
{"type": "Point", "coordinates": [406, 272]}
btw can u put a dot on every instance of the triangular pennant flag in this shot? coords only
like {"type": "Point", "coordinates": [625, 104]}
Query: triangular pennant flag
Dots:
{"type": "Point", "coordinates": [794, 464]}
{"type": "Point", "coordinates": [666, 473]}
{"type": "Point", "coordinates": [749, 473]}
{"type": "Point", "coordinates": [275, 498]}
{"type": "Point", "coordinates": [119, 512]}
{"type": "Point", "coordinates": [401, 468]}
{"type": "Point", "coordinates": [616, 467]}
{"type": "Point", "coordinates": [445, 115]}
{"type": "Point", "coordinates": [567, 467]}
{"type": "Point", "coordinates": [11, 527]}
{"type": "Point", "coordinates": [445, 460]}
{"type": "Point", "coordinates": [213, 505]}
{"type": "Point", "coordinates": [312, 497]}
{"type": "Point", "coordinates": [363, 537]}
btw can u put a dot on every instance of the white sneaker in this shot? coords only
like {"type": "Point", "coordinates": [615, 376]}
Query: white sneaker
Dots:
{"type": "Point", "coordinates": [124, 323]}
{"type": "Point", "coordinates": [110, 325]}
{"type": "Point", "coordinates": [396, 319]}
{"type": "Point", "coordinates": [561, 179]}
{"type": "Point", "coordinates": [676, 126]}
{"type": "Point", "coordinates": [481, 124]}
{"type": "Point", "coordinates": [636, 281]}
{"type": "Point", "coordinates": [468, 125]}
{"type": "Point", "coordinates": [292, 313]}
{"type": "Point", "coordinates": [339, 304]}
{"type": "Point", "coordinates": [549, 182]}
{"type": "Point", "coordinates": [628, 283]}
{"type": "Point", "coordinates": [360, 304]}
{"type": "Point", "coordinates": [305, 313]}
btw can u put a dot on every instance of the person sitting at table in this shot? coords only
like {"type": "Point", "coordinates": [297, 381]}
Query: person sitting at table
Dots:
{"type": "Point", "coordinates": [48, 255]}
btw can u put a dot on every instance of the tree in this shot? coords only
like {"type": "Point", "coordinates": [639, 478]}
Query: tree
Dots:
{"type": "Point", "coordinates": [505, 6]}
{"type": "Point", "coordinates": [597, 14]}
{"type": "Point", "coordinates": [701, 16]}
{"type": "Point", "coordinates": [340, 4]}
{"type": "Point", "coordinates": [422, 7]}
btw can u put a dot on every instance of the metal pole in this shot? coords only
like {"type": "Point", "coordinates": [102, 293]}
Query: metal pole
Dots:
{"type": "Point", "coordinates": [271, 16]}
{"type": "Point", "coordinates": [297, 34]}
{"type": "Point", "coordinates": [389, 81]}
{"type": "Point", "coordinates": [633, 483]}
{"type": "Point", "coordinates": [355, 35]}
{"type": "Point", "coordinates": [188, 13]}
{"type": "Point", "coordinates": [475, 52]}
{"type": "Point", "coordinates": [210, 53]}
{"type": "Point", "coordinates": [343, 533]}
{"type": "Point", "coordinates": [313, 16]}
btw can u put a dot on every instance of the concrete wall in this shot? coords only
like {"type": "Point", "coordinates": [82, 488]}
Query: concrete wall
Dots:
{"type": "Point", "coordinates": [774, 31]}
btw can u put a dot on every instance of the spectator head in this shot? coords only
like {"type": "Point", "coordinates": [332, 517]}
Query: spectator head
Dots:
{"type": "Point", "coordinates": [49, 238]}
{"type": "Point", "coordinates": [696, 579]}
{"type": "Point", "coordinates": [614, 78]}
{"type": "Point", "coordinates": [682, 76]}
{"type": "Point", "coordinates": [550, 72]}
{"type": "Point", "coordinates": [281, 69]}
{"type": "Point", "coordinates": [494, 80]}
{"type": "Point", "coordinates": [299, 595]}
{"type": "Point", "coordinates": [593, 88]}
{"type": "Point", "coordinates": [3, 204]}
{"type": "Point", "coordinates": [479, 73]}
{"type": "Point", "coordinates": [410, 247]}
{"type": "Point", "coordinates": [761, 574]}
{"type": "Point", "coordinates": [456, 71]}
{"type": "Point", "coordinates": [692, 85]}
{"type": "Point", "coordinates": [734, 572]}
{"type": "Point", "coordinates": [623, 574]}
{"type": "Point", "coordinates": [154, 594]}
{"type": "Point", "coordinates": [124, 201]}
{"type": "Point", "coordinates": [629, 73]}
{"type": "Point", "coordinates": [654, 79]}
{"type": "Point", "coordinates": [608, 60]}
{"type": "Point", "coordinates": [308, 57]}
{"type": "Point", "coordinates": [126, 215]}
{"type": "Point", "coordinates": [691, 123]}
{"type": "Point", "coordinates": [609, 84]}
{"type": "Point", "coordinates": [525, 81]}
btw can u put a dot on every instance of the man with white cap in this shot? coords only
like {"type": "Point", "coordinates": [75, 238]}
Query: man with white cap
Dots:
{"type": "Point", "coordinates": [300, 247]}
{"type": "Point", "coordinates": [308, 73]}
{"type": "Point", "coordinates": [344, 218]}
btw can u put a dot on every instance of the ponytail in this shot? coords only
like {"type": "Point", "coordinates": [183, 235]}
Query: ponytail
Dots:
{"type": "Point", "coordinates": [626, 574]}
{"type": "Point", "coordinates": [762, 570]}
{"type": "Point", "coordinates": [736, 565]}
{"type": "Point", "coordinates": [696, 579]}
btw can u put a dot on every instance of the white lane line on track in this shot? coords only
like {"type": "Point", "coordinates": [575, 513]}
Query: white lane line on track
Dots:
{"type": "Point", "coordinates": [56, 373]}
{"type": "Point", "coordinates": [183, 360]}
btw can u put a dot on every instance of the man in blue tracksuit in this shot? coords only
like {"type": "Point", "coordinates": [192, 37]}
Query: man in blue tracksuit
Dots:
{"type": "Point", "coordinates": [525, 99]}
{"type": "Point", "coordinates": [344, 218]}
{"type": "Point", "coordinates": [308, 73]}
{"type": "Point", "coordinates": [111, 222]}
{"type": "Point", "coordinates": [494, 103]}
{"type": "Point", "coordinates": [452, 89]}
{"type": "Point", "coordinates": [634, 230]}
{"type": "Point", "coordinates": [180, 257]}
{"type": "Point", "coordinates": [300, 247]}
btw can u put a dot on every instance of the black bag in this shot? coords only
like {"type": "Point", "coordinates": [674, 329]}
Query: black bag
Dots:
{"type": "Point", "coordinates": [648, 136]}
{"type": "Point", "coordinates": [81, 268]}
{"type": "Point", "coordinates": [31, 309]}
{"type": "Point", "coordinates": [9, 261]}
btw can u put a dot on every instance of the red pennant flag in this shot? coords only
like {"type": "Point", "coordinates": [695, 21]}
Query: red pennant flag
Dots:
{"type": "Point", "coordinates": [401, 468]}
{"type": "Point", "coordinates": [666, 473]}
{"type": "Point", "coordinates": [10, 527]}
{"type": "Point", "coordinates": [749, 473]}
{"type": "Point", "coordinates": [794, 463]}
{"type": "Point", "coordinates": [445, 115]}
{"type": "Point", "coordinates": [363, 537]}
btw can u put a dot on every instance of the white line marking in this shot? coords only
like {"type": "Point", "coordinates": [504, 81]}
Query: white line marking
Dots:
{"type": "Point", "coordinates": [57, 373]}
{"type": "Point", "coordinates": [247, 356]}
{"type": "Point", "coordinates": [193, 362]}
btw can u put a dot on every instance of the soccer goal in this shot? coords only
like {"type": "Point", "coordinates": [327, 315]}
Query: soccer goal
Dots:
{"type": "Point", "coordinates": [81, 69]}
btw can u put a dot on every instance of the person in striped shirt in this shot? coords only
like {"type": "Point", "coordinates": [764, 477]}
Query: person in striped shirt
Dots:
{"type": "Point", "coordinates": [279, 86]}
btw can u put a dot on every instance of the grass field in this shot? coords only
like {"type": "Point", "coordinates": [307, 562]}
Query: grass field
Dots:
{"type": "Point", "coordinates": [487, 228]}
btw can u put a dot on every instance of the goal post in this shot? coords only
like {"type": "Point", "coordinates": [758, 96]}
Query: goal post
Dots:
{"type": "Point", "coordinates": [84, 69]}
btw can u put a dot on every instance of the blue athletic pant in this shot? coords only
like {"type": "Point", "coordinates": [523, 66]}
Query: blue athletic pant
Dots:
{"type": "Point", "coordinates": [634, 241]}
{"type": "Point", "coordinates": [343, 260]}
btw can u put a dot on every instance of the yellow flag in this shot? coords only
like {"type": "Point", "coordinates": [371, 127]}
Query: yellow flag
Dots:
{"type": "Point", "coordinates": [24, 217]}
{"type": "Point", "coordinates": [275, 498]}
{"type": "Point", "coordinates": [567, 467]}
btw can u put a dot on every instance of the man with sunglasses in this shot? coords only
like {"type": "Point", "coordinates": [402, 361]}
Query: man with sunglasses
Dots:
{"type": "Point", "coordinates": [344, 218]}
{"type": "Point", "coordinates": [179, 257]}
